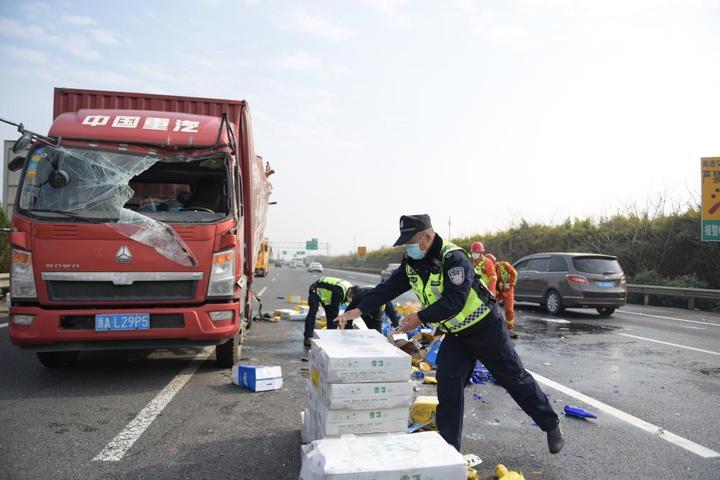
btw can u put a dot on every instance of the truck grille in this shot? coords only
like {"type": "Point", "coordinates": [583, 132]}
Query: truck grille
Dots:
{"type": "Point", "coordinates": [68, 291]}
{"type": "Point", "coordinates": [87, 322]}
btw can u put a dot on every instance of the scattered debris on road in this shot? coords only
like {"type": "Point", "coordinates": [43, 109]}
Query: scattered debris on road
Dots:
{"type": "Point", "coordinates": [577, 412]}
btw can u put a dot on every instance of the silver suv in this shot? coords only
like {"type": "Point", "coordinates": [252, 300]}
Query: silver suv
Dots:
{"type": "Point", "coordinates": [568, 280]}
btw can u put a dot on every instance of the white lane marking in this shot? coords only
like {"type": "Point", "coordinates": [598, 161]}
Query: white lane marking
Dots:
{"type": "Point", "coordinates": [2, 325]}
{"type": "Point", "coordinates": [668, 343]}
{"type": "Point", "coordinates": [632, 420]}
{"type": "Point", "coordinates": [552, 320]}
{"type": "Point", "coordinates": [272, 279]}
{"type": "Point", "coordinates": [119, 446]}
{"type": "Point", "coordinates": [669, 318]}
{"type": "Point", "coordinates": [260, 293]}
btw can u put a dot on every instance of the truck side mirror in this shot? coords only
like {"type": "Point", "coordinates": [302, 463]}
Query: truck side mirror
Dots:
{"type": "Point", "coordinates": [22, 143]}
{"type": "Point", "coordinates": [16, 163]}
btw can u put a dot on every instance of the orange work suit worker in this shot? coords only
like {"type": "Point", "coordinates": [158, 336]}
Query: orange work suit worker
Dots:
{"type": "Point", "coordinates": [507, 279]}
{"type": "Point", "coordinates": [485, 267]}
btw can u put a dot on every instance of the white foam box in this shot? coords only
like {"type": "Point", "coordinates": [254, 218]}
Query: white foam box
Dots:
{"type": "Point", "coordinates": [362, 396]}
{"type": "Point", "coordinates": [333, 423]}
{"type": "Point", "coordinates": [285, 313]}
{"type": "Point", "coordinates": [359, 324]}
{"type": "Point", "coordinates": [307, 431]}
{"type": "Point", "coordinates": [257, 378]}
{"type": "Point", "coordinates": [290, 314]}
{"type": "Point", "coordinates": [422, 455]}
{"type": "Point", "coordinates": [371, 334]}
{"type": "Point", "coordinates": [357, 359]}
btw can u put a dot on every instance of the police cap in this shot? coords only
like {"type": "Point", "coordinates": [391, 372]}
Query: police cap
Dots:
{"type": "Point", "coordinates": [410, 225]}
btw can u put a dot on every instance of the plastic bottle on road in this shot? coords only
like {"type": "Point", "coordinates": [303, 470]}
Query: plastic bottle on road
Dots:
{"type": "Point", "coordinates": [578, 412]}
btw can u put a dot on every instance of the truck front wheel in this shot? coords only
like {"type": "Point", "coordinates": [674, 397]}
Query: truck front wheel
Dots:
{"type": "Point", "coordinates": [57, 359]}
{"type": "Point", "coordinates": [227, 354]}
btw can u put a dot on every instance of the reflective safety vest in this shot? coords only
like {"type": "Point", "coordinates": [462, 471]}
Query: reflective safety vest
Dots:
{"type": "Point", "coordinates": [503, 273]}
{"type": "Point", "coordinates": [475, 308]}
{"type": "Point", "coordinates": [480, 270]}
{"type": "Point", "coordinates": [325, 294]}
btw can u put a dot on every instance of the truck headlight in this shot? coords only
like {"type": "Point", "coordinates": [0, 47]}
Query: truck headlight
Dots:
{"type": "Point", "coordinates": [22, 319]}
{"type": "Point", "coordinates": [222, 275]}
{"type": "Point", "coordinates": [22, 280]}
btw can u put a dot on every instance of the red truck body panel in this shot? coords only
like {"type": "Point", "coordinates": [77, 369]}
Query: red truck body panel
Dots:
{"type": "Point", "coordinates": [238, 114]}
{"type": "Point", "coordinates": [159, 123]}
{"type": "Point", "coordinates": [163, 129]}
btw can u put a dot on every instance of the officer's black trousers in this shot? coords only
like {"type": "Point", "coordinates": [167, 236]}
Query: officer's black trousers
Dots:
{"type": "Point", "coordinates": [491, 345]}
{"type": "Point", "coordinates": [331, 313]}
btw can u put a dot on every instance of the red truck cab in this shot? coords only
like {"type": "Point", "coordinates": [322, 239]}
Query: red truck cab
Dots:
{"type": "Point", "coordinates": [137, 224]}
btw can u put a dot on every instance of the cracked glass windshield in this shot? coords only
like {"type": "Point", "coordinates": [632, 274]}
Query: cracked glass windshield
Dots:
{"type": "Point", "coordinates": [134, 194]}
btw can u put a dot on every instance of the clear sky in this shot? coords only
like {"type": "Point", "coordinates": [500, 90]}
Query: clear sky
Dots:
{"type": "Point", "coordinates": [483, 111]}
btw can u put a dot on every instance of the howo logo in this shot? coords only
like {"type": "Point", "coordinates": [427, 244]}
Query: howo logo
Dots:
{"type": "Point", "coordinates": [62, 266]}
{"type": "Point", "coordinates": [123, 255]}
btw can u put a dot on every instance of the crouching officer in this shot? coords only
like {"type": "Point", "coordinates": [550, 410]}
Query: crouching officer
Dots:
{"type": "Point", "coordinates": [329, 292]}
{"type": "Point", "coordinates": [442, 277]}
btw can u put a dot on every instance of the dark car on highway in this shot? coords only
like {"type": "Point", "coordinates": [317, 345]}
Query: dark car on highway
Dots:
{"type": "Point", "coordinates": [570, 280]}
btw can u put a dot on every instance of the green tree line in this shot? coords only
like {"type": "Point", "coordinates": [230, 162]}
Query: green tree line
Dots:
{"type": "Point", "coordinates": [653, 247]}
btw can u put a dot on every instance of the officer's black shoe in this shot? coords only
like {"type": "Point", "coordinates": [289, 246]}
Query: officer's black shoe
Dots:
{"type": "Point", "coordinates": [514, 335]}
{"type": "Point", "coordinates": [555, 439]}
{"type": "Point", "coordinates": [306, 342]}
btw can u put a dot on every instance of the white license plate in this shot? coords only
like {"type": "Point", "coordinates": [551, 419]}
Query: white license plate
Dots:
{"type": "Point", "coordinates": [122, 321]}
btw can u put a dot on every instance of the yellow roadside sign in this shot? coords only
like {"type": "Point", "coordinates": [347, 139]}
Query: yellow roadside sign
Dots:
{"type": "Point", "coordinates": [710, 224]}
{"type": "Point", "coordinates": [362, 251]}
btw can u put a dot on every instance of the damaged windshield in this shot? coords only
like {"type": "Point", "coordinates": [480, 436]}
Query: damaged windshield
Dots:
{"type": "Point", "coordinates": [134, 194]}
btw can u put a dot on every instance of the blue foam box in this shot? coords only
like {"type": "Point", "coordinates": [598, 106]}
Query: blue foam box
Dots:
{"type": "Point", "coordinates": [257, 378]}
{"type": "Point", "coordinates": [432, 354]}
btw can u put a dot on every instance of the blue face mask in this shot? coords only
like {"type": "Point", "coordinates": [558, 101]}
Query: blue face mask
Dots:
{"type": "Point", "coordinates": [413, 251]}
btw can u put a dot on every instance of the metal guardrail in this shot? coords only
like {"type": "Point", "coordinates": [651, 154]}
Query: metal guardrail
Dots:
{"type": "Point", "coordinates": [690, 293]}
{"type": "Point", "coordinates": [681, 292]}
{"type": "Point", "coordinates": [355, 269]}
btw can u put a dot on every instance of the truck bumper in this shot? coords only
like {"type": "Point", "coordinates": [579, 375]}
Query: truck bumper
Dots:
{"type": "Point", "coordinates": [70, 329]}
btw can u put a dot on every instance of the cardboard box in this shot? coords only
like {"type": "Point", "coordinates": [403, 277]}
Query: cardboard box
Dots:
{"type": "Point", "coordinates": [362, 396]}
{"type": "Point", "coordinates": [424, 408]}
{"type": "Point", "coordinates": [353, 359]}
{"type": "Point", "coordinates": [257, 378]}
{"type": "Point", "coordinates": [333, 423]}
{"type": "Point", "coordinates": [422, 455]}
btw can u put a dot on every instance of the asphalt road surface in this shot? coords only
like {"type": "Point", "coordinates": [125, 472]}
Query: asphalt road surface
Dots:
{"type": "Point", "coordinates": [652, 376]}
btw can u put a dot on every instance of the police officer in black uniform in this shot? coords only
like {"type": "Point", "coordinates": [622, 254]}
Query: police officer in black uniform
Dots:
{"type": "Point", "coordinates": [372, 319]}
{"type": "Point", "coordinates": [454, 301]}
